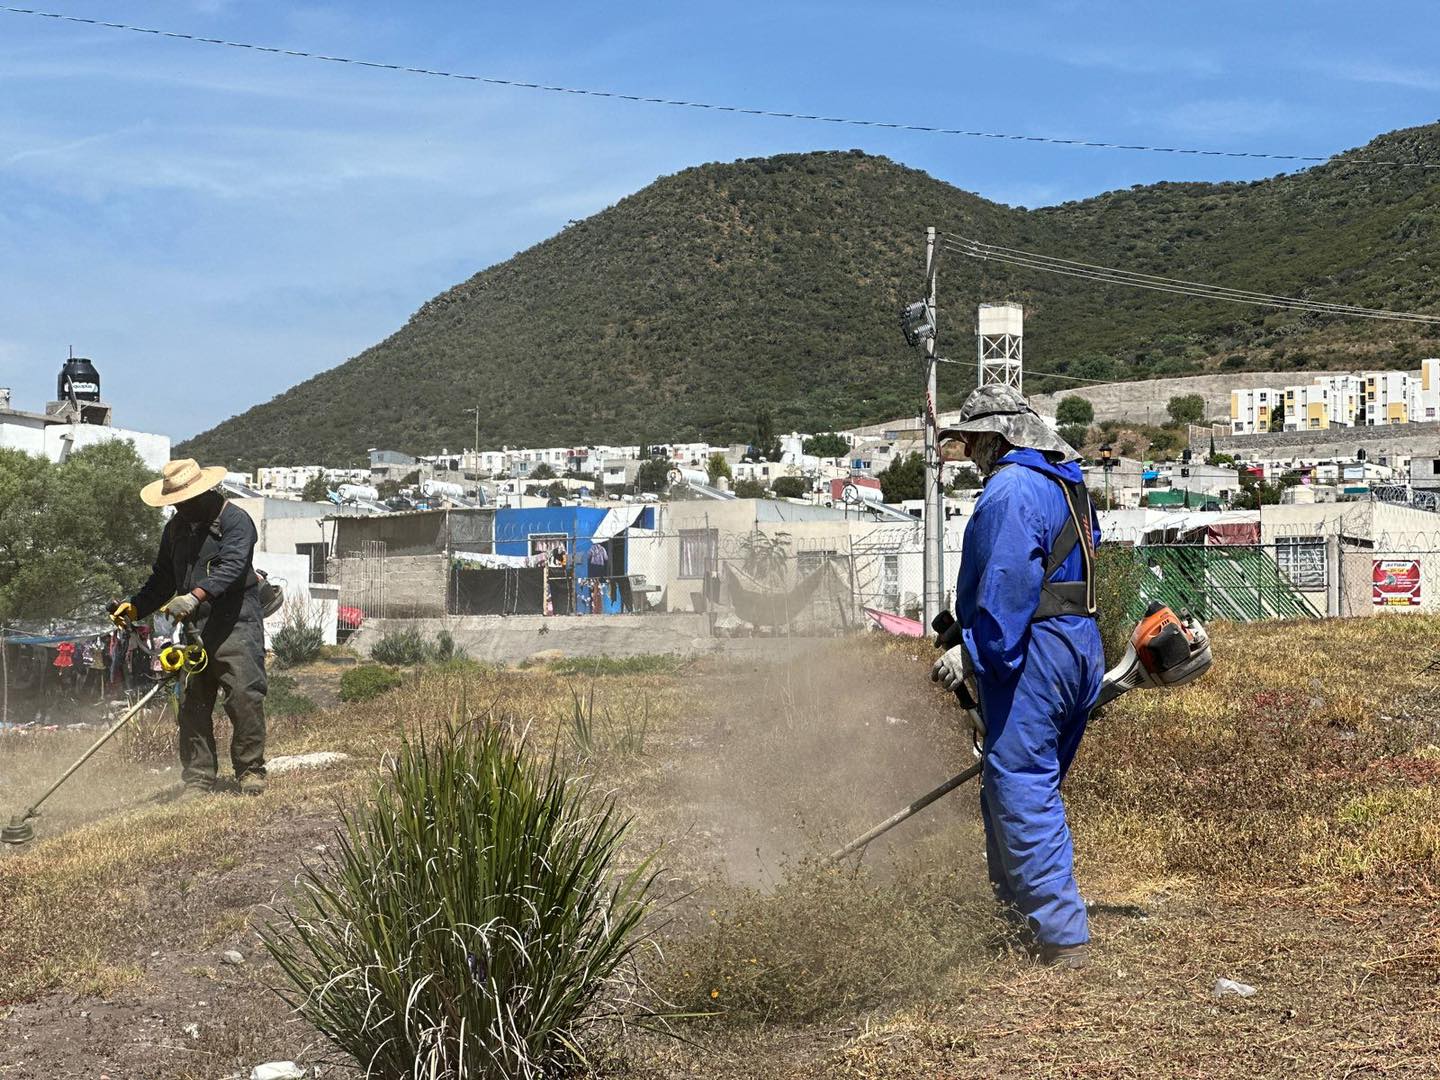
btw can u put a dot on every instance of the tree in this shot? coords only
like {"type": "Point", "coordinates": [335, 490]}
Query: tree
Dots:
{"type": "Point", "coordinates": [827, 445]}
{"type": "Point", "coordinates": [716, 468]}
{"type": "Point", "coordinates": [557, 490]}
{"type": "Point", "coordinates": [749, 489]}
{"type": "Point", "coordinates": [790, 487]}
{"type": "Point", "coordinates": [542, 472]}
{"type": "Point", "coordinates": [1074, 410]}
{"type": "Point", "coordinates": [316, 489]}
{"type": "Point", "coordinates": [767, 443]}
{"type": "Point", "coordinates": [73, 535]}
{"type": "Point", "coordinates": [1074, 434]}
{"type": "Point", "coordinates": [387, 489]}
{"type": "Point", "coordinates": [654, 475]}
{"type": "Point", "coordinates": [965, 479]}
{"type": "Point", "coordinates": [903, 478]}
{"type": "Point", "coordinates": [1186, 408]}
{"type": "Point", "coordinates": [1277, 416]}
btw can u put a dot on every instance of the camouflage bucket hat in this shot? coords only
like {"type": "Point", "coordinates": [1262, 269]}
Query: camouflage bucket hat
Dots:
{"type": "Point", "coordinates": [1004, 410]}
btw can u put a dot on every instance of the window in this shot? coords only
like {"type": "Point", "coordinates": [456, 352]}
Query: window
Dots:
{"type": "Point", "coordinates": [806, 562]}
{"type": "Point", "coordinates": [1302, 560]}
{"type": "Point", "coordinates": [890, 583]}
{"type": "Point", "coordinates": [698, 551]}
{"type": "Point", "coordinates": [318, 554]}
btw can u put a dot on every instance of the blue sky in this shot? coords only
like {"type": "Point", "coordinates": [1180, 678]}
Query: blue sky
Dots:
{"type": "Point", "coordinates": [214, 225]}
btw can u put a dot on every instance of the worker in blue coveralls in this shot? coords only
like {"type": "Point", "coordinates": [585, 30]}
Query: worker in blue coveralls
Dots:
{"type": "Point", "coordinates": [1031, 649]}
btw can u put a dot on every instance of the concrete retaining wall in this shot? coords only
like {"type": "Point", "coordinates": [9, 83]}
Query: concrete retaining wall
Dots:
{"type": "Point", "coordinates": [1144, 401]}
{"type": "Point", "coordinates": [508, 639]}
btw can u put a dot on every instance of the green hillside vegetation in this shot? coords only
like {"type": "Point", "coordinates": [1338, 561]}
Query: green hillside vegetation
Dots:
{"type": "Point", "coordinates": [775, 283]}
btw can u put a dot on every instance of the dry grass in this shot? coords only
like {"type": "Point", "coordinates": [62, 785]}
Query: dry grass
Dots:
{"type": "Point", "coordinates": [1276, 823]}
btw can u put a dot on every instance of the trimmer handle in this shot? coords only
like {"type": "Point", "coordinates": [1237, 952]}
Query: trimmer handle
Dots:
{"type": "Point", "coordinates": [948, 631]}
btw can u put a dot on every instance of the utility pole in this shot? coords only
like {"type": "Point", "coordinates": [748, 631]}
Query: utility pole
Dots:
{"type": "Point", "coordinates": [476, 450]}
{"type": "Point", "coordinates": [934, 560]}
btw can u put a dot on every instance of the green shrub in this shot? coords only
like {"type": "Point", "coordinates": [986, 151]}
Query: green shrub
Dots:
{"type": "Point", "coordinates": [300, 637]}
{"type": "Point", "coordinates": [367, 681]}
{"type": "Point", "coordinates": [790, 487]}
{"type": "Point", "coordinates": [282, 699]}
{"type": "Point", "coordinates": [444, 649]}
{"type": "Point", "coordinates": [1119, 577]}
{"type": "Point", "coordinates": [403, 648]}
{"type": "Point", "coordinates": [471, 922]}
{"type": "Point", "coordinates": [594, 733]}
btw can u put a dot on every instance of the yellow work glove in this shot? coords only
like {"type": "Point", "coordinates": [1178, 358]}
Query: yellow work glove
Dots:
{"type": "Point", "coordinates": [122, 613]}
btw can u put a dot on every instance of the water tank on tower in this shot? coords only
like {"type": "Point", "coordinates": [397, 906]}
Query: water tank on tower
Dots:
{"type": "Point", "coordinates": [78, 380]}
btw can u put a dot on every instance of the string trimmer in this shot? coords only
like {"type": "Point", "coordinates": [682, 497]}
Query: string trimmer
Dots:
{"type": "Point", "coordinates": [177, 660]}
{"type": "Point", "coordinates": [1164, 650]}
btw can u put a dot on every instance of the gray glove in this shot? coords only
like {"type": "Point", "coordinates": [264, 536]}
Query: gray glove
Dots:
{"type": "Point", "coordinates": [954, 670]}
{"type": "Point", "coordinates": [181, 607]}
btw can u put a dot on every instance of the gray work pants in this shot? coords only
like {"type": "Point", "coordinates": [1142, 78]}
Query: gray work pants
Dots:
{"type": "Point", "coordinates": [238, 664]}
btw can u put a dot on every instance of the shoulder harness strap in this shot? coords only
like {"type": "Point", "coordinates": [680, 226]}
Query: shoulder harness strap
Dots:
{"type": "Point", "coordinates": [1070, 597]}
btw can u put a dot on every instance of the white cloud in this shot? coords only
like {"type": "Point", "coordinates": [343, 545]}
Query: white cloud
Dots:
{"type": "Point", "coordinates": [1388, 75]}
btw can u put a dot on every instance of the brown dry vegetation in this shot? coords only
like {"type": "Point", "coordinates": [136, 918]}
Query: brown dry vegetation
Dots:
{"type": "Point", "coordinates": [1275, 823]}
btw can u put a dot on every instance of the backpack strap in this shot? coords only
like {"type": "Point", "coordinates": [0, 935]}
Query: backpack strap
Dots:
{"type": "Point", "coordinates": [1070, 597]}
{"type": "Point", "coordinates": [218, 532]}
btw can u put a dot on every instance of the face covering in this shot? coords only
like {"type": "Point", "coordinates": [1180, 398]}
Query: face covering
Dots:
{"type": "Point", "coordinates": [199, 510]}
{"type": "Point", "coordinates": [986, 451]}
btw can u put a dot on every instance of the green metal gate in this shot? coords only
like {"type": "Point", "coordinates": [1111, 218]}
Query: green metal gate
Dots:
{"type": "Point", "coordinates": [1220, 581]}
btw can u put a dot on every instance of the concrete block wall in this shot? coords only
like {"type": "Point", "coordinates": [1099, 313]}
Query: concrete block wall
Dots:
{"type": "Point", "coordinates": [509, 639]}
{"type": "Point", "coordinates": [1381, 441]}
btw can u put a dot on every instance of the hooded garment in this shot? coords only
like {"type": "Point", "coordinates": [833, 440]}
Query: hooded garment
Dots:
{"type": "Point", "coordinates": [1038, 682]}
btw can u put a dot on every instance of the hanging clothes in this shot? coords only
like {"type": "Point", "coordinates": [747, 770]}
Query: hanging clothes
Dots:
{"type": "Point", "coordinates": [65, 655]}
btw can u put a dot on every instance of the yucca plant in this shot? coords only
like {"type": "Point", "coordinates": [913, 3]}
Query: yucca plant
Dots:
{"type": "Point", "coordinates": [472, 922]}
{"type": "Point", "coordinates": [300, 637]}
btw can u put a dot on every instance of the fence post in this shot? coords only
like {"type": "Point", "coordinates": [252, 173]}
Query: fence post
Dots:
{"type": "Point", "coordinates": [1332, 574]}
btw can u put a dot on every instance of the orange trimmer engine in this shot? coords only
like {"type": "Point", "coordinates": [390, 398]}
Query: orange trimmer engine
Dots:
{"type": "Point", "coordinates": [1164, 650]}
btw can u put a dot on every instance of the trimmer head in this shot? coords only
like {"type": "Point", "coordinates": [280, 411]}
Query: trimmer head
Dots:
{"type": "Point", "coordinates": [19, 831]}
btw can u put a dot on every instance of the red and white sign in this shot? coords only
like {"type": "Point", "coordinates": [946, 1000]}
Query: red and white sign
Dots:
{"type": "Point", "coordinates": [1396, 583]}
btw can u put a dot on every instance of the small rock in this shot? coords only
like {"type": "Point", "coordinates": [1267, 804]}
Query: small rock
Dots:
{"type": "Point", "coordinates": [233, 956]}
{"type": "Point", "coordinates": [193, 1030]}
{"type": "Point", "coordinates": [1229, 987]}
{"type": "Point", "coordinates": [894, 720]}
{"type": "Point", "coordinates": [277, 1070]}
{"type": "Point", "coordinates": [293, 762]}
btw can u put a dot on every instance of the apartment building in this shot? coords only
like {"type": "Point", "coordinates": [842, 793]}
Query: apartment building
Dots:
{"type": "Point", "coordinates": [1387, 397]}
{"type": "Point", "coordinates": [1250, 410]}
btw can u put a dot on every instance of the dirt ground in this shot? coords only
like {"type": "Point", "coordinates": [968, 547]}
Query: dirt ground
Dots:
{"type": "Point", "coordinates": [1276, 825]}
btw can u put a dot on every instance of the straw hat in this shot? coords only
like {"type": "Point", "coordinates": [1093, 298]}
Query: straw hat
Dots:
{"type": "Point", "coordinates": [181, 480]}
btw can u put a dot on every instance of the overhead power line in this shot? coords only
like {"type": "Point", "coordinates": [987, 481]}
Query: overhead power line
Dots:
{"type": "Point", "coordinates": [1051, 264]}
{"type": "Point", "coordinates": [779, 114]}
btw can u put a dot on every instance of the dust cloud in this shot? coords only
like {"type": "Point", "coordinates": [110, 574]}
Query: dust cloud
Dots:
{"type": "Point", "coordinates": [110, 782]}
{"type": "Point", "coordinates": [810, 746]}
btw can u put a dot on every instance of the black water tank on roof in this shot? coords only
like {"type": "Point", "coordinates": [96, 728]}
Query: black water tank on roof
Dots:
{"type": "Point", "coordinates": [79, 378]}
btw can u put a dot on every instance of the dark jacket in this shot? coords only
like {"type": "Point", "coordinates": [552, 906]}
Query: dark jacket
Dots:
{"type": "Point", "coordinates": [217, 557]}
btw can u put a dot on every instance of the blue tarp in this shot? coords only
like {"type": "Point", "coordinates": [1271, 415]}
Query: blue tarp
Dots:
{"type": "Point", "coordinates": [514, 527]}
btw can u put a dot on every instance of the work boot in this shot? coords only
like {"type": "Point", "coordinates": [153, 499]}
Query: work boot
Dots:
{"type": "Point", "coordinates": [193, 792]}
{"type": "Point", "coordinates": [1070, 957]}
{"type": "Point", "coordinates": [252, 784]}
